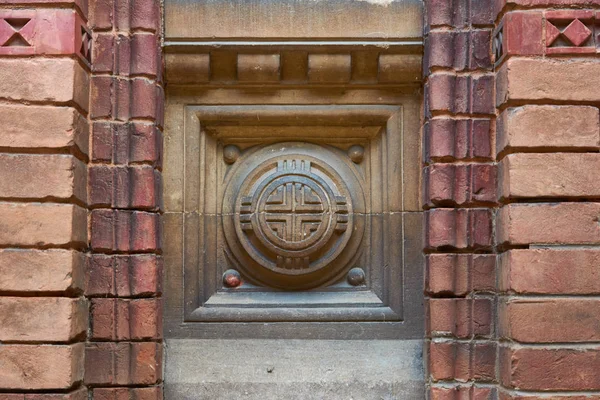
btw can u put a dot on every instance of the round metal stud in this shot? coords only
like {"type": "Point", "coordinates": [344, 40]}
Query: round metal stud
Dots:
{"type": "Point", "coordinates": [231, 153]}
{"type": "Point", "coordinates": [356, 153]}
{"type": "Point", "coordinates": [232, 278]}
{"type": "Point", "coordinates": [356, 276]}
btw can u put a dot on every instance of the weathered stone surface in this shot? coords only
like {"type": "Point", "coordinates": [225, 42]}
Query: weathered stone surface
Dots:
{"type": "Point", "coordinates": [533, 79]}
{"type": "Point", "coordinates": [550, 320]}
{"type": "Point", "coordinates": [39, 176]}
{"type": "Point", "coordinates": [37, 367]}
{"type": "Point", "coordinates": [42, 319]}
{"type": "Point", "coordinates": [294, 369]}
{"type": "Point", "coordinates": [549, 223]}
{"type": "Point", "coordinates": [548, 126]}
{"type": "Point", "coordinates": [550, 175]}
{"type": "Point", "coordinates": [59, 80]}
{"type": "Point", "coordinates": [293, 19]}
{"type": "Point", "coordinates": [42, 224]}
{"type": "Point", "coordinates": [550, 271]}
{"type": "Point", "coordinates": [43, 127]}
{"type": "Point", "coordinates": [41, 270]}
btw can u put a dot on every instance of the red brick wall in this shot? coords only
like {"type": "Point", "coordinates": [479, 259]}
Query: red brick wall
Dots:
{"type": "Point", "coordinates": [511, 154]}
{"type": "Point", "coordinates": [511, 183]}
{"type": "Point", "coordinates": [547, 227]}
{"type": "Point", "coordinates": [459, 193]}
{"type": "Point", "coordinates": [44, 103]}
{"type": "Point", "coordinates": [124, 273]}
{"type": "Point", "coordinates": [80, 271]}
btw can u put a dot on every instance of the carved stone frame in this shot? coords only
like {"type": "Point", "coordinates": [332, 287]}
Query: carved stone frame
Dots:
{"type": "Point", "coordinates": [380, 126]}
{"type": "Point", "coordinates": [390, 114]}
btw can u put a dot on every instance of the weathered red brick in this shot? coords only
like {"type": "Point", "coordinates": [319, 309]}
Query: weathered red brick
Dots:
{"type": "Point", "coordinates": [548, 126]}
{"type": "Point", "coordinates": [461, 94]}
{"type": "Point", "coordinates": [449, 139]}
{"type": "Point", "coordinates": [467, 392]}
{"type": "Point", "coordinates": [462, 361]}
{"type": "Point", "coordinates": [61, 80]}
{"type": "Point", "coordinates": [39, 367]}
{"type": "Point", "coordinates": [459, 184]}
{"type": "Point", "coordinates": [33, 176]}
{"type": "Point", "coordinates": [125, 187]}
{"type": "Point", "coordinates": [123, 143]}
{"type": "Point", "coordinates": [42, 224]}
{"type": "Point", "coordinates": [123, 55]}
{"type": "Point", "coordinates": [103, 52]}
{"type": "Point", "coordinates": [550, 320]}
{"type": "Point", "coordinates": [458, 228]}
{"type": "Point", "coordinates": [123, 363]}
{"type": "Point", "coordinates": [120, 230]}
{"type": "Point", "coordinates": [102, 88]}
{"type": "Point", "coordinates": [144, 51]}
{"type": "Point", "coordinates": [447, 13]}
{"type": "Point", "coordinates": [42, 319]}
{"type": "Point", "coordinates": [549, 223]}
{"type": "Point", "coordinates": [124, 276]}
{"type": "Point", "coordinates": [147, 393]}
{"type": "Point", "coordinates": [101, 14]}
{"type": "Point", "coordinates": [42, 127]}
{"type": "Point", "coordinates": [550, 271]}
{"type": "Point", "coordinates": [80, 394]}
{"type": "Point", "coordinates": [124, 319]}
{"type": "Point", "coordinates": [550, 369]}
{"type": "Point", "coordinates": [459, 274]}
{"type": "Point", "coordinates": [461, 318]}
{"type": "Point", "coordinates": [144, 94]}
{"type": "Point", "coordinates": [522, 33]}
{"type": "Point", "coordinates": [458, 50]}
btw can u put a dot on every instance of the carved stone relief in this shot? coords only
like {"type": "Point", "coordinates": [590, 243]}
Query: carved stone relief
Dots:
{"type": "Point", "coordinates": [289, 216]}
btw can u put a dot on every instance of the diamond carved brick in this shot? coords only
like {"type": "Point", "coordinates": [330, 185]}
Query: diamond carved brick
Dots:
{"type": "Point", "coordinates": [15, 32]}
{"type": "Point", "coordinates": [570, 32]}
{"type": "Point", "coordinates": [577, 32]}
{"type": "Point", "coordinates": [552, 33]}
{"type": "Point", "coordinates": [43, 31]}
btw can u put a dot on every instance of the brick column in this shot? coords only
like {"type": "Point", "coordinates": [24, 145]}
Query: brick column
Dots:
{"type": "Point", "coordinates": [44, 90]}
{"type": "Point", "coordinates": [124, 353]}
{"type": "Point", "coordinates": [548, 137]}
{"type": "Point", "coordinates": [459, 188]}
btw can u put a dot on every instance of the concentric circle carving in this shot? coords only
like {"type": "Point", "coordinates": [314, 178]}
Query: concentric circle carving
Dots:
{"type": "Point", "coordinates": [292, 217]}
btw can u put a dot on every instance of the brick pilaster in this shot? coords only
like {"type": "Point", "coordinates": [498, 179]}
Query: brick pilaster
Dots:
{"type": "Point", "coordinates": [547, 148]}
{"type": "Point", "coordinates": [44, 86]}
{"type": "Point", "coordinates": [123, 282]}
{"type": "Point", "coordinates": [459, 194]}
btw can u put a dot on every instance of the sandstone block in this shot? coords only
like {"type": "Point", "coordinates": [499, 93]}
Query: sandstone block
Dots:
{"type": "Point", "coordinates": [550, 175]}
{"type": "Point", "coordinates": [550, 368]}
{"type": "Point", "coordinates": [38, 367]}
{"type": "Point", "coordinates": [527, 79]}
{"type": "Point", "coordinates": [59, 80]}
{"type": "Point", "coordinates": [39, 176]}
{"type": "Point", "coordinates": [550, 320]}
{"type": "Point", "coordinates": [548, 126]}
{"type": "Point", "coordinates": [43, 127]}
{"type": "Point", "coordinates": [42, 224]}
{"type": "Point", "coordinates": [549, 223]}
{"type": "Point", "coordinates": [550, 271]}
{"type": "Point", "coordinates": [42, 319]}
{"type": "Point", "coordinates": [41, 270]}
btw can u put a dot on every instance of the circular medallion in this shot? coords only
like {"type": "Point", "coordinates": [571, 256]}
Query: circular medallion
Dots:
{"type": "Point", "coordinates": [293, 216]}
